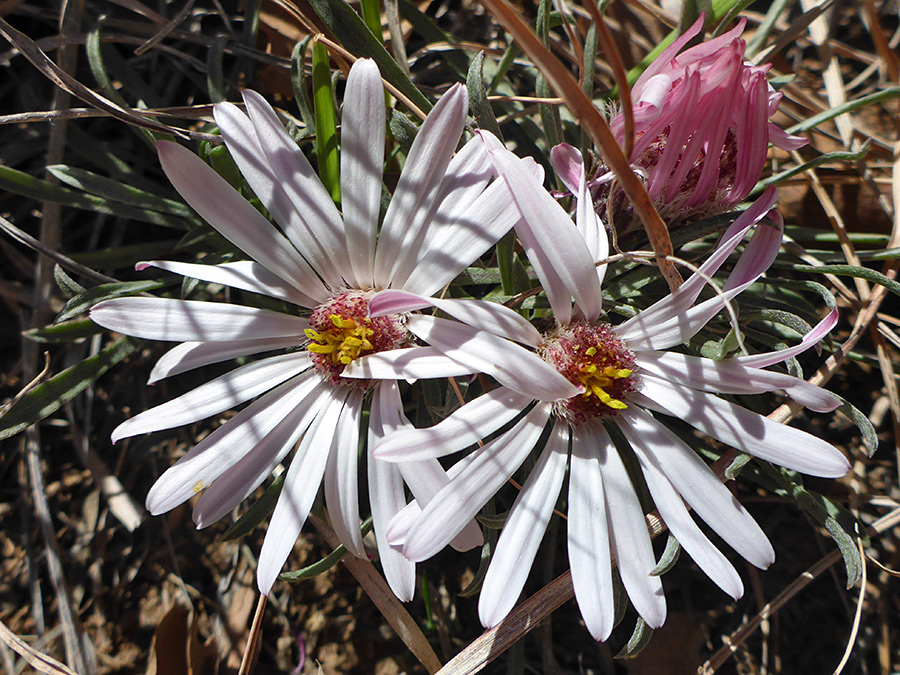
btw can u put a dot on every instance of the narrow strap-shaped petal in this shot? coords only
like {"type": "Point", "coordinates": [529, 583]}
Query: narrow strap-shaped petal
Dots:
{"type": "Point", "coordinates": [588, 538]}
{"type": "Point", "coordinates": [419, 185]}
{"type": "Point", "coordinates": [628, 534]}
{"type": "Point", "coordinates": [476, 420]}
{"type": "Point", "coordinates": [189, 355]}
{"type": "Point", "coordinates": [315, 216]}
{"type": "Point", "coordinates": [655, 444]}
{"type": "Point", "coordinates": [193, 320]}
{"type": "Point", "coordinates": [240, 480]}
{"type": "Point", "coordinates": [225, 446]}
{"type": "Point", "coordinates": [491, 466]}
{"type": "Point", "coordinates": [568, 165]}
{"type": "Point", "coordinates": [592, 229]}
{"type": "Point", "coordinates": [341, 493]}
{"type": "Point", "coordinates": [731, 377]}
{"type": "Point", "coordinates": [301, 485]}
{"type": "Point", "coordinates": [523, 530]}
{"type": "Point", "coordinates": [218, 395]}
{"type": "Point", "coordinates": [362, 157]}
{"type": "Point", "coordinates": [505, 361]}
{"type": "Point", "coordinates": [244, 274]}
{"type": "Point", "coordinates": [411, 363]}
{"type": "Point", "coordinates": [234, 217]}
{"type": "Point", "coordinates": [743, 429]}
{"type": "Point", "coordinates": [819, 331]}
{"type": "Point", "coordinates": [662, 62]}
{"type": "Point", "coordinates": [482, 315]}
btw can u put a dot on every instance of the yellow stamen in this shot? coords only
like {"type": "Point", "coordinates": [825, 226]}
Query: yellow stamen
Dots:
{"type": "Point", "coordinates": [597, 381]}
{"type": "Point", "coordinates": [344, 343]}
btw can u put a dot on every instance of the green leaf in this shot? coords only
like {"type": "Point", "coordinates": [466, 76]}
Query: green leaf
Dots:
{"type": "Point", "coordinates": [863, 423]}
{"type": "Point", "coordinates": [669, 557]}
{"type": "Point", "coordinates": [261, 509]}
{"type": "Point", "coordinates": [48, 397]}
{"type": "Point", "coordinates": [326, 126]}
{"type": "Point", "coordinates": [84, 301]}
{"type": "Point", "coordinates": [402, 129]}
{"type": "Point", "coordinates": [215, 76]}
{"type": "Point", "coordinates": [298, 82]}
{"type": "Point", "coordinates": [474, 586]}
{"type": "Point", "coordinates": [69, 287]}
{"type": "Point", "coordinates": [816, 120]}
{"type": "Point", "coordinates": [325, 563]}
{"type": "Point", "coordinates": [481, 107]}
{"type": "Point", "coordinates": [639, 639]}
{"type": "Point", "coordinates": [67, 331]}
{"type": "Point", "coordinates": [828, 158]}
{"type": "Point", "coordinates": [850, 271]}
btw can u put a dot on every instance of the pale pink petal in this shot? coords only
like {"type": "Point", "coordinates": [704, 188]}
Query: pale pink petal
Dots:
{"type": "Point", "coordinates": [419, 185]}
{"type": "Point", "coordinates": [301, 485]}
{"type": "Point", "coordinates": [411, 363]}
{"type": "Point", "coordinates": [218, 395]}
{"type": "Point", "coordinates": [592, 230]}
{"type": "Point", "coordinates": [588, 540]}
{"type": "Point", "coordinates": [193, 320]}
{"type": "Point", "coordinates": [190, 355]}
{"type": "Point", "coordinates": [523, 530]}
{"type": "Point", "coordinates": [341, 494]}
{"type": "Point", "coordinates": [245, 274]}
{"type": "Point", "coordinates": [655, 444]}
{"type": "Point", "coordinates": [744, 430]}
{"type": "Point", "coordinates": [487, 316]}
{"type": "Point", "coordinates": [225, 446]}
{"type": "Point", "coordinates": [819, 331]}
{"type": "Point", "coordinates": [466, 426]}
{"type": "Point", "coordinates": [362, 157]}
{"type": "Point", "coordinates": [234, 217]}
{"type": "Point", "coordinates": [568, 165]}
{"type": "Point", "coordinates": [505, 361]}
{"type": "Point", "coordinates": [454, 506]}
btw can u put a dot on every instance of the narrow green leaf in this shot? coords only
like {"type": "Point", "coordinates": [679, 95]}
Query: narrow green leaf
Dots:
{"type": "Point", "coordinates": [669, 557]}
{"type": "Point", "coordinates": [850, 271]}
{"type": "Point", "coordinates": [325, 563]}
{"type": "Point", "coordinates": [215, 75]}
{"type": "Point", "coordinates": [816, 120]}
{"type": "Point", "coordinates": [326, 127]}
{"type": "Point", "coordinates": [84, 301]}
{"type": "Point", "coordinates": [371, 12]}
{"type": "Point", "coordinates": [864, 424]}
{"type": "Point", "coordinates": [481, 107]}
{"type": "Point", "coordinates": [69, 287]}
{"type": "Point", "coordinates": [298, 82]}
{"type": "Point", "coordinates": [639, 639]}
{"type": "Point", "coordinates": [261, 509]}
{"type": "Point", "coordinates": [67, 331]}
{"type": "Point", "coordinates": [45, 399]}
{"type": "Point", "coordinates": [827, 158]}
{"type": "Point", "coordinates": [402, 129]}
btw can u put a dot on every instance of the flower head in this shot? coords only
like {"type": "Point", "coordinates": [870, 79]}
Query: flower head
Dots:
{"type": "Point", "coordinates": [622, 375]}
{"type": "Point", "coordinates": [445, 212]}
{"type": "Point", "coordinates": [702, 126]}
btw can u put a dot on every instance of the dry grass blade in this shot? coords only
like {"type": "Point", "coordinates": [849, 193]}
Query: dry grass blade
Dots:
{"type": "Point", "coordinates": [592, 120]}
{"type": "Point", "coordinates": [40, 662]}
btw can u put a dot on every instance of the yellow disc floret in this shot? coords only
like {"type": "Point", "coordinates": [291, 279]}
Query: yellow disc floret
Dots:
{"type": "Point", "coordinates": [346, 341]}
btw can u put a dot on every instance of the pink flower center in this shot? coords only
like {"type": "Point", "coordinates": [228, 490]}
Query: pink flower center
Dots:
{"type": "Point", "coordinates": [341, 330]}
{"type": "Point", "coordinates": [590, 356]}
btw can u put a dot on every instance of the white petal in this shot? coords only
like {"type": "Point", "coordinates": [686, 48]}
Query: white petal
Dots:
{"type": "Point", "coordinates": [744, 430]}
{"type": "Point", "coordinates": [218, 395]}
{"type": "Point", "coordinates": [412, 363]}
{"type": "Point", "coordinates": [245, 274]}
{"type": "Point", "coordinates": [482, 315]}
{"type": "Point", "coordinates": [524, 530]}
{"type": "Point", "coordinates": [454, 506]}
{"type": "Point", "coordinates": [812, 338]}
{"type": "Point", "coordinates": [341, 494]}
{"type": "Point", "coordinates": [193, 320]}
{"type": "Point", "coordinates": [189, 355]}
{"type": "Point", "coordinates": [301, 485]}
{"type": "Point", "coordinates": [234, 217]}
{"type": "Point", "coordinates": [466, 426]}
{"type": "Point", "coordinates": [588, 538]}
{"type": "Point", "coordinates": [362, 157]}
{"type": "Point", "coordinates": [508, 363]}
{"type": "Point", "coordinates": [314, 224]}
{"type": "Point", "coordinates": [590, 227]}
{"type": "Point", "coordinates": [419, 184]}
{"type": "Point", "coordinates": [225, 446]}
{"type": "Point", "coordinates": [654, 443]}
{"type": "Point", "coordinates": [628, 535]}
{"type": "Point", "coordinates": [729, 376]}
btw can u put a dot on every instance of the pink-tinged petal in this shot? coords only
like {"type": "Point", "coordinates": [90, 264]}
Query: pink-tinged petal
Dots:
{"type": "Point", "coordinates": [362, 158]}
{"type": "Point", "coordinates": [505, 361]}
{"type": "Point", "coordinates": [568, 165]}
{"type": "Point", "coordinates": [729, 376]}
{"type": "Point", "coordinates": [245, 274]}
{"type": "Point", "coordinates": [523, 530]}
{"type": "Point", "coordinates": [225, 446]}
{"type": "Point", "coordinates": [193, 320]}
{"type": "Point", "coordinates": [341, 494]}
{"type": "Point", "coordinates": [663, 61]}
{"type": "Point", "coordinates": [411, 363]}
{"type": "Point", "coordinates": [678, 302]}
{"type": "Point", "coordinates": [689, 475]}
{"type": "Point", "coordinates": [314, 219]}
{"type": "Point", "coordinates": [218, 395]}
{"type": "Point", "coordinates": [819, 331]}
{"type": "Point", "coordinates": [420, 182]}
{"type": "Point", "coordinates": [744, 430]}
{"type": "Point", "coordinates": [628, 534]}
{"type": "Point", "coordinates": [234, 217]}
{"type": "Point", "coordinates": [751, 139]}
{"type": "Point", "coordinates": [588, 538]}
{"type": "Point", "coordinates": [781, 139]}
{"type": "Point", "coordinates": [481, 315]}
{"type": "Point", "coordinates": [190, 355]}
{"type": "Point", "coordinates": [476, 420]}
{"type": "Point", "coordinates": [239, 481]}
{"type": "Point", "coordinates": [553, 245]}
{"type": "Point", "coordinates": [593, 231]}
{"type": "Point", "coordinates": [491, 466]}
{"type": "Point", "coordinates": [301, 485]}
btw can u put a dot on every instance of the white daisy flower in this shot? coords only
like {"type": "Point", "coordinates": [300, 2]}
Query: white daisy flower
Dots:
{"type": "Point", "coordinates": [444, 214]}
{"type": "Point", "coordinates": [624, 377]}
